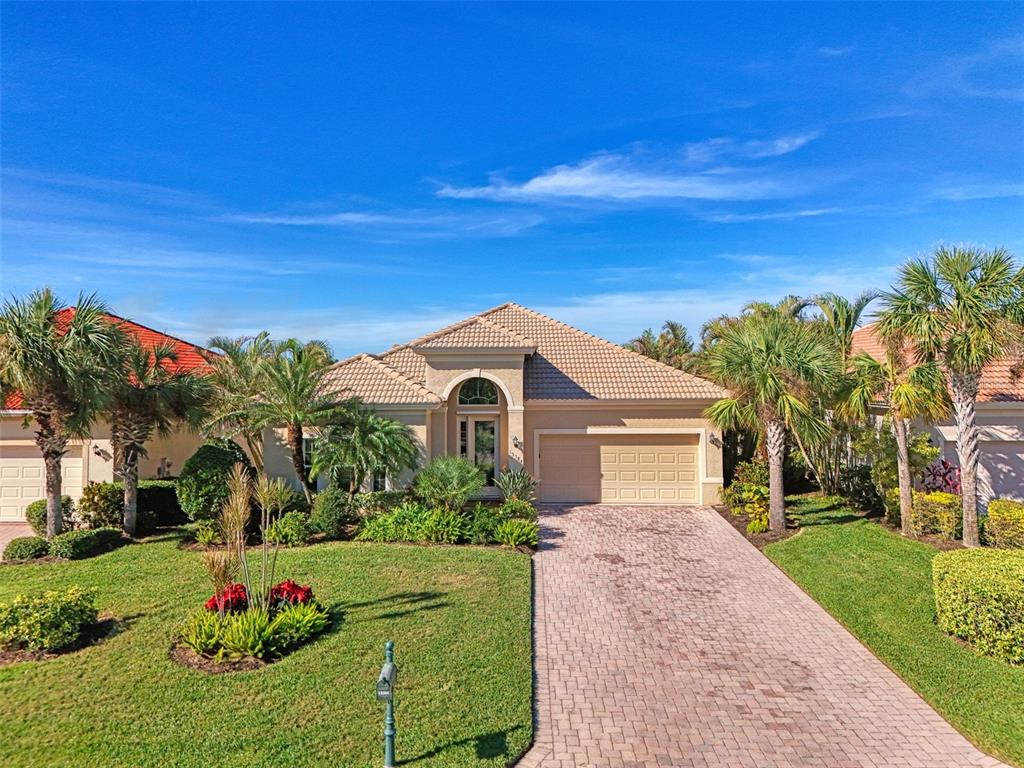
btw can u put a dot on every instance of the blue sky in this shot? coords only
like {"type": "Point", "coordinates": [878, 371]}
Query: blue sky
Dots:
{"type": "Point", "coordinates": [364, 173]}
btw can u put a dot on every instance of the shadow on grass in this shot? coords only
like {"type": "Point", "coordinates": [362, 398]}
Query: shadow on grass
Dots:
{"type": "Point", "coordinates": [402, 604]}
{"type": "Point", "coordinates": [486, 745]}
{"type": "Point", "coordinates": [804, 513]}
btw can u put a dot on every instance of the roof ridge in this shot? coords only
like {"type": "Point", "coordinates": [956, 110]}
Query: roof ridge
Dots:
{"type": "Point", "coordinates": [514, 334]}
{"type": "Point", "coordinates": [402, 378]}
{"type": "Point", "coordinates": [195, 346]}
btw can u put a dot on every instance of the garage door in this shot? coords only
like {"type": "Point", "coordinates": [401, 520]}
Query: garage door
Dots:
{"type": "Point", "coordinates": [620, 469]}
{"type": "Point", "coordinates": [22, 480]}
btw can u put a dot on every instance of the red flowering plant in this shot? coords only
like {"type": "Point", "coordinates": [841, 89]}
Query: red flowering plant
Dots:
{"type": "Point", "coordinates": [231, 599]}
{"type": "Point", "coordinates": [290, 593]}
{"type": "Point", "coordinates": [942, 476]}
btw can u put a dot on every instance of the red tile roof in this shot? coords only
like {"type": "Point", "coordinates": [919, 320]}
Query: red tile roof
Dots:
{"type": "Point", "coordinates": [189, 356]}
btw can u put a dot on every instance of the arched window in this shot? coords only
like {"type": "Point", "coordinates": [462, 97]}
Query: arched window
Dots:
{"type": "Point", "coordinates": [478, 391]}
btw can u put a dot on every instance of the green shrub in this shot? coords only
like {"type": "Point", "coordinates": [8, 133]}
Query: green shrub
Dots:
{"type": "Point", "coordinates": [75, 545]}
{"type": "Point", "coordinates": [517, 509]}
{"type": "Point", "coordinates": [878, 448]}
{"type": "Point", "coordinates": [441, 526]}
{"type": "Point", "coordinates": [449, 482]}
{"type": "Point", "coordinates": [102, 505]}
{"type": "Point", "coordinates": [758, 523]}
{"type": "Point", "coordinates": [332, 512]}
{"type": "Point", "coordinates": [202, 632]}
{"type": "Point", "coordinates": [937, 513]}
{"type": "Point", "coordinates": [483, 522]}
{"type": "Point", "coordinates": [158, 505]}
{"type": "Point", "coordinates": [47, 622]}
{"type": "Point", "coordinates": [892, 507]}
{"type": "Point", "coordinates": [26, 548]}
{"type": "Point", "coordinates": [979, 597]}
{"type": "Point", "coordinates": [291, 529]}
{"type": "Point", "coordinates": [35, 515]}
{"type": "Point", "coordinates": [1004, 524]}
{"type": "Point", "coordinates": [374, 502]}
{"type": "Point", "coordinates": [202, 486]}
{"type": "Point", "coordinates": [248, 633]}
{"type": "Point", "coordinates": [255, 632]}
{"type": "Point", "coordinates": [206, 532]}
{"type": "Point", "coordinates": [516, 484]}
{"type": "Point", "coordinates": [857, 487]}
{"type": "Point", "coordinates": [516, 533]}
{"type": "Point", "coordinates": [297, 623]}
{"type": "Point", "coordinates": [403, 523]}
{"type": "Point", "coordinates": [748, 493]}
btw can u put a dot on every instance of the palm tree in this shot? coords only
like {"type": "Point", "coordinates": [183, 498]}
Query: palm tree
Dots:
{"type": "Point", "coordinates": [907, 392]}
{"type": "Point", "coordinates": [673, 346]}
{"type": "Point", "coordinates": [236, 380]}
{"type": "Point", "coordinates": [773, 365]}
{"type": "Point", "coordinates": [841, 317]}
{"type": "Point", "coordinates": [62, 360]}
{"type": "Point", "coordinates": [295, 393]}
{"type": "Point", "coordinates": [369, 443]}
{"type": "Point", "coordinates": [963, 309]}
{"type": "Point", "coordinates": [151, 396]}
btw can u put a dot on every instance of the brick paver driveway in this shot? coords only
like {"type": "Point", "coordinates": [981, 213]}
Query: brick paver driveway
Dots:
{"type": "Point", "coordinates": [664, 639]}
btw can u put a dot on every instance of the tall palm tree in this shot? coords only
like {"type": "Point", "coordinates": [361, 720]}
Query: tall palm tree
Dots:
{"type": "Point", "coordinates": [236, 380]}
{"type": "Point", "coordinates": [296, 394]}
{"type": "Point", "coordinates": [907, 391]}
{"type": "Point", "coordinates": [369, 443]}
{"type": "Point", "coordinates": [62, 360]}
{"type": "Point", "coordinates": [841, 317]}
{"type": "Point", "coordinates": [773, 366]}
{"type": "Point", "coordinates": [151, 396]}
{"type": "Point", "coordinates": [673, 346]}
{"type": "Point", "coordinates": [965, 309]}
{"type": "Point", "coordinates": [790, 306]}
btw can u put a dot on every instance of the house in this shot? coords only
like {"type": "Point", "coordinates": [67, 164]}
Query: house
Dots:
{"type": "Point", "coordinates": [512, 388]}
{"type": "Point", "coordinates": [22, 479]}
{"type": "Point", "coordinates": [1000, 416]}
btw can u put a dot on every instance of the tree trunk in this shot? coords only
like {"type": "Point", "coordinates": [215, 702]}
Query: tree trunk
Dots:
{"type": "Point", "coordinates": [54, 513]}
{"type": "Point", "coordinates": [899, 431]}
{"type": "Point", "coordinates": [130, 477]}
{"type": "Point", "coordinates": [964, 389]}
{"type": "Point", "coordinates": [775, 445]}
{"type": "Point", "coordinates": [298, 462]}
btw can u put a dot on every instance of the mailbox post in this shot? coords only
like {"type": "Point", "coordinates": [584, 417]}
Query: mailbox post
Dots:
{"type": "Point", "coordinates": [385, 691]}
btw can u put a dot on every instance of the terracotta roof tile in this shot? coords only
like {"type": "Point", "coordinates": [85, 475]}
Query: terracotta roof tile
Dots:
{"type": "Point", "coordinates": [373, 381]}
{"type": "Point", "coordinates": [475, 332]}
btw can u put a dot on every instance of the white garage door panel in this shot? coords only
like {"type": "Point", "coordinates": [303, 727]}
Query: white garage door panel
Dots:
{"type": "Point", "coordinates": [23, 480]}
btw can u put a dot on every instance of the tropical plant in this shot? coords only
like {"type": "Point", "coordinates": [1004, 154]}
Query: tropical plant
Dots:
{"type": "Point", "coordinates": [402, 523]}
{"type": "Point", "coordinates": [202, 485]}
{"type": "Point", "coordinates": [673, 346]}
{"type": "Point", "coordinates": [963, 309]}
{"type": "Point", "coordinates": [151, 396]}
{"type": "Point", "coordinates": [366, 444]}
{"type": "Point", "coordinates": [516, 484]}
{"type": "Point", "coordinates": [513, 508]}
{"type": "Point", "coordinates": [773, 366]}
{"type": "Point", "coordinates": [483, 522]}
{"type": "Point", "coordinates": [878, 447]}
{"type": "Point", "coordinates": [449, 482]}
{"type": "Point", "coordinates": [61, 359]}
{"type": "Point", "coordinates": [292, 529]}
{"type": "Point", "coordinates": [332, 512]}
{"type": "Point", "coordinates": [517, 533]}
{"type": "Point", "coordinates": [47, 622]}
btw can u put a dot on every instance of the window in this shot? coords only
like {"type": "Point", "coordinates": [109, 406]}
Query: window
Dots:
{"type": "Point", "coordinates": [478, 391]}
{"type": "Point", "coordinates": [307, 454]}
{"type": "Point", "coordinates": [380, 481]}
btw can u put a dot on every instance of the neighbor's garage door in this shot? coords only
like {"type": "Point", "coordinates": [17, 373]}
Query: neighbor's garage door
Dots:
{"type": "Point", "coordinates": [22, 480]}
{"type": "Point", "coordinates": [626, 469]}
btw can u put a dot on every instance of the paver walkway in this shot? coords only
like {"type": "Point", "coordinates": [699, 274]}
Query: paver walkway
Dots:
{"type": "Point", "coordinates": [10, 531]}
{"type": "Point", "coordinates": [664, 639]}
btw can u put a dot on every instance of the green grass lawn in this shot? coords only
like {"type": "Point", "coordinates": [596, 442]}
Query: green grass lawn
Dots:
{"type": "Point", "coordinates": [879, 586]}
{"type": "Point", "coordinates": [459, 616]}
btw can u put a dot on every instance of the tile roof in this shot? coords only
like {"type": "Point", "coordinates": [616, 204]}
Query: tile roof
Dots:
{"type": "Point", "coordinates": [997, 382]}
{"type": "Point", "coordinates": [366, 377]}
{"type": "Point", "coordinates": [189, 356]}
{"type": "Point", "coordinates": [568, 363]}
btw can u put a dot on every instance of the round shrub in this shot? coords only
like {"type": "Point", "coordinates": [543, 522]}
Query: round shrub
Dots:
{"type": "Point", "coordinates": [202, 485]}
{"type": "Point", "coordinates": [449, 482]}
{"type": "Point", "coordinates": [938, 513]}
{"type": "Point", "coordinates": [102, 505]}
{"type": "Point", "coordinates": [291, 529]}
{"type": "Point", "coordinates": [75, 545]}
{"type": "Point", "coordinates": [517, 533]}
{"type": "Point", "coordinates": [979, 597]}
{"type": "Point", "coordinates": [483, 522]}
{"type": "Point", "coordinates": [441, 526]}
{"type": "Point", "coordinates": [26, 548]}
{"type": "Point", "coordinates": [47, 622]}
{"type": "Point", "coordinates": [35, 515]}
{"type": "Point", "coordinates": [518, 509]}
{"type": "Point", "coordinates": [332, 511]}
{"type": "Point", "coordinates": [1005, 523]}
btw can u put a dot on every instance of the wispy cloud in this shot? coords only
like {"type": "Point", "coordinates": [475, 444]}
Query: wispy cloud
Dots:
{"type": "Point", "coordinates": [980, 191]}
{"type": "Point", "coordinates": [737, 218]}
{"type": "Point", "coordinates": [711, 150]}
{"type": "Point", "coordinates": [136, 191]}
{"type": "Point", "coordinates": [837, 51]}
{"type": "Point", "coordinates": [994, 72]}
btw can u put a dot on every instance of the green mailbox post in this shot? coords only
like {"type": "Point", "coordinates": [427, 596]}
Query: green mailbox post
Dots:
{"type": "Point", "coordinates": [385, 691]}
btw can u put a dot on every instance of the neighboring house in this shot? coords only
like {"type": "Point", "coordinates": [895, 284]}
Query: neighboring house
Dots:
{"type": "Point", "coordinates": [1000, 416]}
{"type": "Point", "coordinates": [590, 420]}
{"type": "Point", "coordinates": [22, 479]}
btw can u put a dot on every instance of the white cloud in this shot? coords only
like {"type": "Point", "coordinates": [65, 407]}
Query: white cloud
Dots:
{"type": "Point", "coordinates": [403, 224]}
{"type": "Point", "coordinates": [710, 150]}
{"type": "Point", "coordinates": [736, 218]}
{"type": "Point", "coordinates": [990, 73]}
{"type": "Point", "coordinates": [980, 191]}
{"type": "Point", "coordinates": [835, 52]}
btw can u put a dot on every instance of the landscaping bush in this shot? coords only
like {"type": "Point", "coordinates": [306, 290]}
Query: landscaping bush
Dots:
{"type": "Point", "coordinates": [374, 502]}
{"type": "Point", "coordinates": [158, 505]}
{"type": "Point", "coordinates": [518, 509]}
{"type": "Point", "coordinates": [979, 597]}
{"type": "Point", "coordinates": [516, 533]}
{"type": "Point", "coordinates": [516, 484]}
{"type": "Point", "coordinates": [332, 512]}
{"type": "Point", "coordinates": [202, 487]}
{"type": "Point", "coordinates": [758, 523]}
{"type": "Point", "coordinates": [878, 448]}
{"type": "Point", "coordinates": [47, 622]}
{"type": "Point", "coordinates": [26, 548]}
{"type": "Point", "coordinates": [441, 526]}
{"type": "Point", "coordinates": [937, 513]}
{"type": "Point", "coordinates": [1004, 524]}
{"type": "Point", "coordinates": [202, 632]}
{"type": "Point", "coordinates": [941, 476]}
{"type": "Point", "coordinates": [206, 533]}
{"type": "Point", "coordinates": [748, 492]}
{"type": "Point", "coordinates": [75, 545]}
{"type": "Point", "coordinates": [102, 505]}
{"type": "Point", "coordinates": [857, 487]}
{"type": "Point", "coordinates": [35, 515]}
{"type": "Point", "coordinates": [482, 524]}
{"type": "Point", "coordinates": [449, 482]}
{"type": "Point", "coordinates": [403, 523]}
{"type": "Point", "coordinates": [291, 529]}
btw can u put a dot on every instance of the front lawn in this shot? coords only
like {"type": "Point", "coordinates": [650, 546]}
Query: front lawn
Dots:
{"type": "Point", "coordinates": [879, 585]}
{"type": "Point", "coordinates": [459, 616]}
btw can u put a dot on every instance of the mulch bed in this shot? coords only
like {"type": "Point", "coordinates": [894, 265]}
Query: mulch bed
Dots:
{"type": "Point", "coordinates": [106, 626]}
{"type": "Point", "coordinates": [186, 657]}
{"type": "Point", "coordinates": [759, 540]}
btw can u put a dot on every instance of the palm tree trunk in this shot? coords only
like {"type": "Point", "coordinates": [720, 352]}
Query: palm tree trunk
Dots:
{"type": "Point", "coordinates": [130, 476]}
{"type": "Point", "coordinates": [298, 462]}
{"type": "Point", "coordinates": [775, 445]}
{"type": "Point", "coordinates": [899, 431]}
{"type": "Point", "coordinates": [52, 446]}
{"type": "Point", "coordinates": [964, 388]}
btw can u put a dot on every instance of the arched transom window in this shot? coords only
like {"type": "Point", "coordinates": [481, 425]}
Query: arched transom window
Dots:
{"type": "Point", "coordinates": [478, 391]}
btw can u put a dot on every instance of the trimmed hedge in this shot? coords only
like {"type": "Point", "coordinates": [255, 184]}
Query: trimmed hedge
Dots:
{"type": "Point", "coordinates": [102, 505]}
{"type": "Point", "coordinates": [35, 514]}
{"type": "Point", "coordinates": [47, 622]}
{"type": "Point", "coordinates": [26, 548]}
{"type": "Point", "coordinates": [75, 545]}
{"type": "Point", "coordinates": [331, 513]}
{"type": "Point", "coordinates": [979, 597]}
{"type": "Point", "coordinates": [202, 486]}
{"type": "Point", "coordinates": [937, 513]}
{"type": "Point", "coordinates": [1005, 523]}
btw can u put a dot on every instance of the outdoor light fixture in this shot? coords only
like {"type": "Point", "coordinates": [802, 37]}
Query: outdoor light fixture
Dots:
{"type": "Point", "coordinates": [517, 443]}
{"type": "Point", "coordinates": [714, 440]}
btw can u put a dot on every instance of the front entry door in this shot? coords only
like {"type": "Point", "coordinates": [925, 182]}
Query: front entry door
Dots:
{"type": "Point", "coordinates": [478, 442]}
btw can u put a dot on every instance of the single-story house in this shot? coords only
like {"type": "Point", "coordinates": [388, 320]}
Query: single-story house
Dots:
{"type": "Point", "coordinates": [512, 388]}
{"type": "Point", "coordinates": [22, 478]}
{"type": "Point", "coordinates": [1000, 416]}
